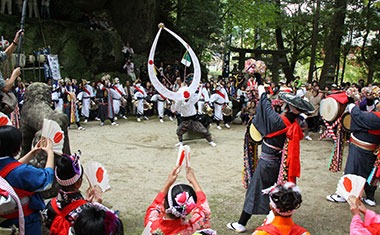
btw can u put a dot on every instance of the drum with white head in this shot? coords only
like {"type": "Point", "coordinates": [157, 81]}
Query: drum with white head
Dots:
{"type": "Point", "coordinates": [331, 109]}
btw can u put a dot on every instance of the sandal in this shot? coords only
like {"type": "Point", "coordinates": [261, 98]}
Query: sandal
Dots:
{"type": "Point", "coordinates": [235, 226]}
{"type": "Point", "coordinates": [335, 198]}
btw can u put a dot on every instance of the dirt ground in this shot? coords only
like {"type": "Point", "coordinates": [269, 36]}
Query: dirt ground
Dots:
{"type": "Point", "coordinates": [139, 156]}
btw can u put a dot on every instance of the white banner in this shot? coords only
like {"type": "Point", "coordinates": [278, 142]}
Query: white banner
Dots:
{"type": "Point", "coordinates": [54, 66]}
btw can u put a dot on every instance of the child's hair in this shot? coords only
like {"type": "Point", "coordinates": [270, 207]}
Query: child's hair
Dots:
{"type": "Point", "coordinates": [285, 199]}
{"type": "Point", "coordinates": [180, 200]}
{"type": "Point", "coordinates": [95, 220]}
{"type": "Point", "coordinates": [10, 141]}
{"type": "Point", "coordinates": [68, 171]}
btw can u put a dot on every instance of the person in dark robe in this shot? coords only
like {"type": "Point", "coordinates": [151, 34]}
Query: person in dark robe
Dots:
{"type": "Point", "coordinates": [279, 159]}
{"type": "Point", "coordinates": [363, 158]}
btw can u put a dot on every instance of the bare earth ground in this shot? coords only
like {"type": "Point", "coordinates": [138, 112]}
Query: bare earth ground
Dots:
{"type": "Point", "coordinates": [139, 156]}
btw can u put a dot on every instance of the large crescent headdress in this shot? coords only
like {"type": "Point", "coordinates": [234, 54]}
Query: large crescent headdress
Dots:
{"type": "Point", "coordinates": [151, 68]}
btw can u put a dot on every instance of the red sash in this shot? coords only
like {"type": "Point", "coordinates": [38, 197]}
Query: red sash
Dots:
{"type": "Point", "coordinates": [282, 131]}
{"type": "Point", "coordinates": [138, 89]}
{"type": "Point", "coordinates": [273, 230]}
{"type": "Point", "coordinates": [221, 94]}
{"type": "Point", "coordinates": [294, 134]}
{"type": "Point", "coordinates": [87, 91]}
{"type": "Point", "coordinates": [115, 87]}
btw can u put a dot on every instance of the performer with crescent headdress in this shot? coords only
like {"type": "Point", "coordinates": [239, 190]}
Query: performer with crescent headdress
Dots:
{"type": "Point", "coordinates": [186, 97]}
{"type": "Point", "coordinates": [280, 153]}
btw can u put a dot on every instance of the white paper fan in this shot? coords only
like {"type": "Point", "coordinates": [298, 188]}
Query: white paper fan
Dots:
{"type": "Point", "coordinates": [147, 229]}
{"type": "Point", "coordinates": [96, 174]}
{"type": "Point", "coordinates": [51, 130]}
{"type": "Point", "coordinates": [187, 157]}
{"type": "Point", "coordinates": [183, 156]}
{"type": "Point", "coordinates": [4, 120]}
{"type": "Point", "coordinates": [350, 185]}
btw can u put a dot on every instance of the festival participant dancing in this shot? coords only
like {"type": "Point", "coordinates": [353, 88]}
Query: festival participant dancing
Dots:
{"type": "Point", "coordinates": [277, 151]}
{"type": "Point", "coordinates": [104, 99]}
{"type": "Point", "coordinates": [186, 108]}
{"type": "Point", "coordinates": [160, 99]}
{"type": "Point", "coordinates": [204, 99]}
{"type": "Point", "coordinates": [219, 100]}
{"type": "Point", "coordinates": [185, 98]}
{"type": "Point", "coordinates": [70, 106]}
{"type": "Point", "coordinates": [140, 95]}
{"type": "Point", "coordinates": [86, 99]}
{"type": "Point", "coordinates": [362, 158]}
{"type": "Point", "coordinates": [119, 94]}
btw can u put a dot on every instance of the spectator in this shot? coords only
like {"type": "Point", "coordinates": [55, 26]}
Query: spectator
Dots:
{"type": "Point", "coordinates": [285, 199]}
{"type": "Point", "coordinates": [129, 67]}
{"type": "Point", "coordinates": [33, 8]}
{"type": "Point", "coordinates": [98, 220]}
{"type": "Point", "coordinates": [24, 178]}
{"type": "Point", "coordinates": [127, 51]}
{"type": "Point", "coordinates": [179, 208]}
{"type": "Point", "coordinates": [45, 9]}
{"type": "Point", "coordinates": [371, 223]}
{"type": "Point", "coordinates": [6, 85]}
{"type": "Point", "coordinates": [69, 175]}
{"type": "Point", "coordinates": [9, 6]}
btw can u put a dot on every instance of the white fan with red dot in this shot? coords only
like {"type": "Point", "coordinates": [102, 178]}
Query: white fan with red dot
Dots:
{"type": "Point", "coordinates": [97, 175]}
{"type": "Point", "coordinates": [350, 184]}
{"type": "Point", "coordinates": [4, 120]}
{"type": "Point", "coordinates": [52, 131]}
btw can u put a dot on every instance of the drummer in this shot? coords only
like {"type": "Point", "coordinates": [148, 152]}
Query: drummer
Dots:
{"type": "Point", "coordinates": [364, 142]}
{"type": "Point", "coordinates": [274, 128]}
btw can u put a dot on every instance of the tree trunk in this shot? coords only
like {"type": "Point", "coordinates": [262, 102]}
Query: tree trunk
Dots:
{"type": "Point", "coordinates": [314, 41]}
{"type": "Point", "coordinates": [371, 71]}
{"type": "Point", "coordinates": [332, 44]}
{"type": "Point", "coordinates": [285, 64]}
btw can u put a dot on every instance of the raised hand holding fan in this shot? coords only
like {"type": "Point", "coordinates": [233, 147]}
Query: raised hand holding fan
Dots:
{"type": "Point", "coordinates": [350, 185]}
{"type": "Point", "coordinates": [52, 131]}
{"type": "Point", "coordinates": [183, 156]}
{"type": "Point", "coordinates": [97, 175]}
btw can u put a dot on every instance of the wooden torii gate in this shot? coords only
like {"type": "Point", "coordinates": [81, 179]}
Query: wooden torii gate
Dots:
{"type": "Point", "coordinates": [273, 63]}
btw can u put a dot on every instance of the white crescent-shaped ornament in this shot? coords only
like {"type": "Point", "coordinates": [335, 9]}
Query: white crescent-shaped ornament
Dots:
{"type": "Point", "coordinates": [152, 74]}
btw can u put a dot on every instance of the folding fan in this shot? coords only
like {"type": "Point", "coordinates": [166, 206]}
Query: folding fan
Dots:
{"type": "Point", "coordinates": [53, 131]}
{"type": "Point", "coordinates": [96, 174]}
{"type": "Point", "coordinates": [350, 185]}
{"type": "Point", "coordinates": [147, 229]}
{"type": "Point", "coordinates": [4, 120]}
{"type": "Point", "coordinates": [183, 156]}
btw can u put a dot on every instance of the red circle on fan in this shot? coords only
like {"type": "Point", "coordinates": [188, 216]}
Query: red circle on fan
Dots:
{"type": "Point", "coordinates": [58, 137]}
{"type": "Point", "coordinates": [99, 174]}
{"type": "Point", "coordinates": [347, 184]}
{"type": "Point", "coordinates": [150, 62]}
{"type": "Point", "coordinates": [3, 121]}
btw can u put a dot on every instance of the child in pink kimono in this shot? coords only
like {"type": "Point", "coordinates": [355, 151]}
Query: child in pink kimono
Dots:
{"type": "Point", "coordinates": [178, 209]}
{"type": "Point", "coordinates": [371, 224]}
